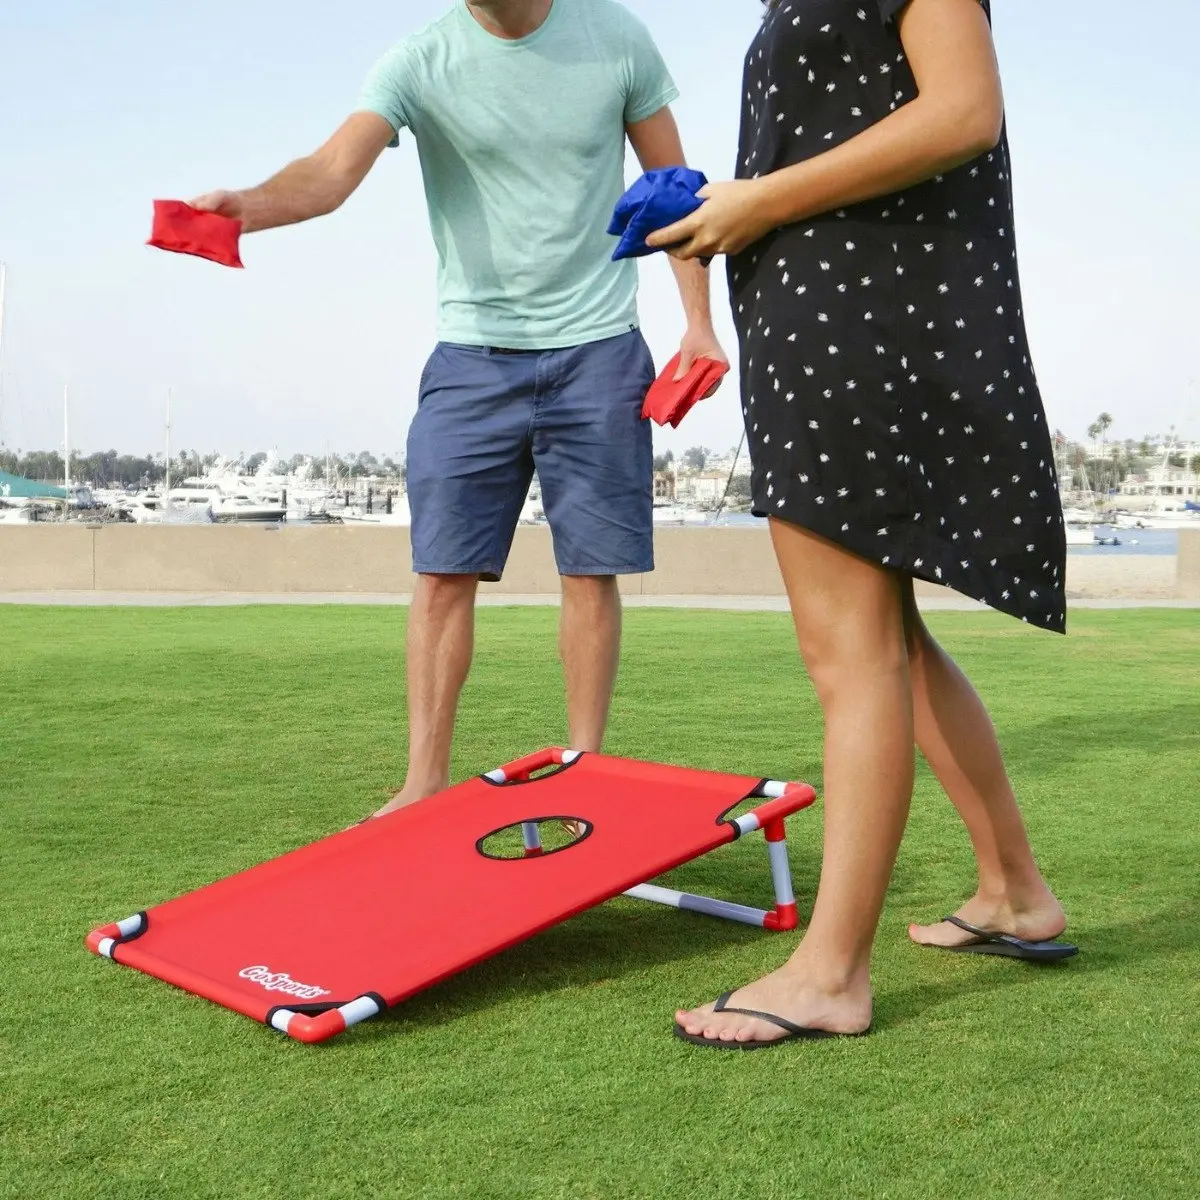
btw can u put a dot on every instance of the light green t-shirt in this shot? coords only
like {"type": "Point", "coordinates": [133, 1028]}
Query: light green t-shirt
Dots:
{"type": "Point", "coordinates": [522, 148]}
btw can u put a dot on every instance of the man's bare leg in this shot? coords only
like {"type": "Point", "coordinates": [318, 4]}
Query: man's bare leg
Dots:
{"type": "Point", "coordinates": [441, 638]}
{"type": "Point", "coordinates": [590, 645]}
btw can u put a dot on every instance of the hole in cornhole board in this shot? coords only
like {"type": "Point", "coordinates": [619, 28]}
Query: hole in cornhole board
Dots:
{"type": "Point", "coordinates": [555, 833]}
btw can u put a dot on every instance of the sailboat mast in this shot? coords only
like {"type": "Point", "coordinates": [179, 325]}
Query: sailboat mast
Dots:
{"type": "Point", "coordinates": [167, 481]}
{"type": "Point", "coordinates": [3, 283]}
{"type": "Point", "coordinates": [66, 450]}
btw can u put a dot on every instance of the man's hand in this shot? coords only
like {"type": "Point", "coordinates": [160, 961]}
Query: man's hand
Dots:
{"type": "Point", "coordinates": [699, 342]}
{"type": "Point", "coordinates": [312, 186]}
{"type": "Point", "coordinates": [226, 204]}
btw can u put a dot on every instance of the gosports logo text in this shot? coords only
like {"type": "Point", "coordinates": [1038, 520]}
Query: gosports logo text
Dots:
{"type": "Point", "coordinates": [281, 982]}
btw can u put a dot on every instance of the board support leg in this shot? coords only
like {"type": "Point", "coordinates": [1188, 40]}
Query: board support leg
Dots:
{"type": "Point", "coordinates": [699, 904]}
{"type": "Point", "coordinates": [785, 915]}
{"type": "Point", "coordinates": [531, 836]}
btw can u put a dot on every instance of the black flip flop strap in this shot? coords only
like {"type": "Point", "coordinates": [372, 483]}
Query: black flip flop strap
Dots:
{"type": "Point", "coordinates": [722, 1006]}
{"type": "Point", "coordinates": [1000, 939]}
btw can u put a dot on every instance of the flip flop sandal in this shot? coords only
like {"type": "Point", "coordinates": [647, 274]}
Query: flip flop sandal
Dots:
{"type": "Point", "coordinates": [369, 817]}
{"type": "Point", "coordinates": [1008, 946]}
{"type": "Point", "coordinates": [795, 1033]}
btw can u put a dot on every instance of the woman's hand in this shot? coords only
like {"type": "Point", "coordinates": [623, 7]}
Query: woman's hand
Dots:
{"type": "Point", "coordinates": [733, 216]}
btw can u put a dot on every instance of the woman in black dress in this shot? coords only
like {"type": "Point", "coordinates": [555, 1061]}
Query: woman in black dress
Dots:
{"type": "Point", "coordinates": [896, 432]}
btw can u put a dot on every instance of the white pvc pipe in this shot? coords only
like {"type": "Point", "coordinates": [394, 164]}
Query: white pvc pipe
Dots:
{"type": "Point", "coordinates": [656, 894]}
{"type": "Point", "coordinates": [747, 822]}
{"type": "Point", "coordinates": [358, 1010]}
{"type": "Point", "coordinates": [531, 835]}
{"type": "Point", "coordinates": [722, 908]}
{"type": "Point", "coordinates": [773, 789]}
{"type": "Point", "coordinates": [698, 904]}
{"type": "Point", "coordinates": [781, 873]}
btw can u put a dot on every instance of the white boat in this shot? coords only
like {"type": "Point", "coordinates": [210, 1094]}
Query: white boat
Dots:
{"type": "Point", "coordinates": [1164, 519]}
{"type": "Point", "coordinates": [244, 506]}
{"type": "Point", "coordinates": [400, 514]}
{"type": "Point", "coordinates": [1077, 536]}
{"type": "Point", "coordinates": [148, 509]}
{"type": "Point", "coordinates": [194, 499]}
{"type": "Point", "coordinates": [532, 512]}
{"type": "Point", "coordinates": [378, 520]}
{"type": "Point", "coordinates": [679, 514]}
{"type": "Point", "coordinates": [1175, 493]}
{"type": "Point", "coordinates": [230, 497]}
{"type": "Point", "coordinates": [308, 502]}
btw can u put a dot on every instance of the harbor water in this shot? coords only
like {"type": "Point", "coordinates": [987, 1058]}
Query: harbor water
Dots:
{"type": "Point", "coordinates": [1155, 542]}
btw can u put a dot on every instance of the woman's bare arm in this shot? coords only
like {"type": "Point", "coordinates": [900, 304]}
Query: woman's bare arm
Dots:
{"type": "Point", "coordinates": [957, 115]}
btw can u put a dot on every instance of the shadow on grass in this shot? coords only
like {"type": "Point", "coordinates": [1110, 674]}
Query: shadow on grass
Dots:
{"type": "Point", "coordinates": [607, 943]}
{"type": "Point", "coordinates": [1103, 949]}
{"type": "Point", "coordinates": [1050, 746]}
{"type": "Point", "coordinates": [602, 944]}
{"type": "Point", "coordinates": [613, 940]}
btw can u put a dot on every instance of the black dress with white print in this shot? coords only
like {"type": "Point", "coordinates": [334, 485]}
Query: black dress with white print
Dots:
{"type": "Point", "coordinates": [889, 398]}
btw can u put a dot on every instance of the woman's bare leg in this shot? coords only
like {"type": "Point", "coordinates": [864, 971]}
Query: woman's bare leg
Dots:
{"type": "Point", "coordinates": [850, 622]}
{"type": "Point", "coordinates": [958, 740]}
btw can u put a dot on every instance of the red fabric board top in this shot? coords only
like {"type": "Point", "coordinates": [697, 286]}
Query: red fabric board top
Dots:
{"type": "Point", "coordinates": [670, 400]}
{"type": "Point", "coordinates": [397, 904]}
{"type": "Point", "coordinates": [185, 230]}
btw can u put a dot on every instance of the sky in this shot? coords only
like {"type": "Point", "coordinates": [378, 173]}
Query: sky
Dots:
{"type": "Point", "coordinates": [320, 343]}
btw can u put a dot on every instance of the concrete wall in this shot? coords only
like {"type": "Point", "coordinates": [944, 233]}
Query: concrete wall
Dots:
{"type": "Point", "coordinates": [230, 558]}
{"type": "Point", "coordinates": [58, 559]}
{"type": "Point", "coordinates": [1188, 578]}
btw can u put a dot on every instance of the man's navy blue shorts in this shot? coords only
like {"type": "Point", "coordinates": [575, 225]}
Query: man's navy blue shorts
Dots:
{"type": "Point", "coordinates": [487, 418]}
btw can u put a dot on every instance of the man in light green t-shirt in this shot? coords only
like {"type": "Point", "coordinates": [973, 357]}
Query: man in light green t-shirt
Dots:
{"type": "Point", "coordinates": [521, 110]}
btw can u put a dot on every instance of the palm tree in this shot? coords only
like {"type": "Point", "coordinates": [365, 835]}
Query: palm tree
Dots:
{"type": "Point", "coordinates": [1100, 426]}
{"type": "Point", "coordinates": [1096, 431]}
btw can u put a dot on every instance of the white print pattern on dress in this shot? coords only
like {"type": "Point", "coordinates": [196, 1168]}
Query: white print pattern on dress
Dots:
{"type": "Point", "coordinates": [832, 434]}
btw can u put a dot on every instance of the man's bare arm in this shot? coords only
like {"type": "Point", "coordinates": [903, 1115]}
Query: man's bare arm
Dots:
{"type": "Point", "coordinates": [309, 187]}
{"type": "Point", "coordinates": [657, 144]}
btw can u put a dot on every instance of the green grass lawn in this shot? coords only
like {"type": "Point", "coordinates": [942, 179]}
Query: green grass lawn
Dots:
{"type": "Point", "coordinates": [146, 752]}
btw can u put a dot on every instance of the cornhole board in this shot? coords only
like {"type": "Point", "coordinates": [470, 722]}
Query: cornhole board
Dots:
{"type": "Point", "coordinates": [324, 937]}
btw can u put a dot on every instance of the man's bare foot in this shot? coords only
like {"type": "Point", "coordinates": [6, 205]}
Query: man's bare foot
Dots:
{"type": "Point", "coordinates": [787, 993]}
{"type": "Point", "coordinates": [409, 794]}
{"type": "Point", "coordinates": [1034, 918]}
